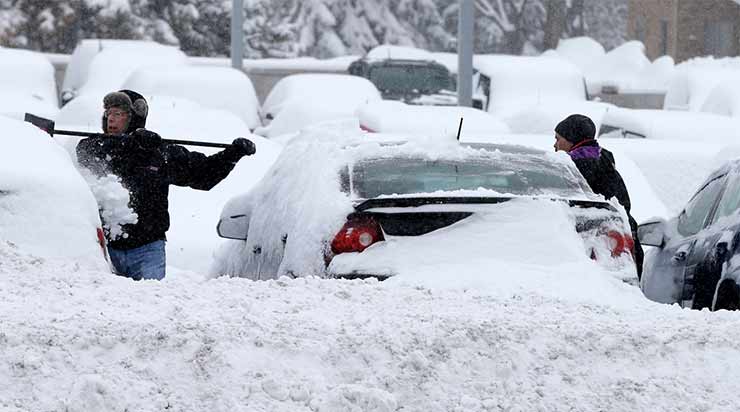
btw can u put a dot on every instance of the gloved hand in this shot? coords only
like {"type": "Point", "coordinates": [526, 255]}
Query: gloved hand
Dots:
{"type": "Point", "coordinates": [241, 147]}
{"type": "Point", "coordinates": [146, 139]}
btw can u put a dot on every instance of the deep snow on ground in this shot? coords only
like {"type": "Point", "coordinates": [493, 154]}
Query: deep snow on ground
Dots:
{"type": "Point", "coordinates": [84, 341]}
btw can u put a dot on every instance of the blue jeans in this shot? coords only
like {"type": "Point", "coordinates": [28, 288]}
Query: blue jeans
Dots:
{"type": "Point", "coordinates": [145, 262]}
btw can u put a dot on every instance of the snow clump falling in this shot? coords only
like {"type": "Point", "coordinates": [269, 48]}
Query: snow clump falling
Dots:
{"type": "Point", "coordinates": [113, 202]}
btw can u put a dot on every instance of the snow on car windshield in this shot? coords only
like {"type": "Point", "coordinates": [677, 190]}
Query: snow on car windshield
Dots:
{"type": "Point", "coordinates": [520, 175]}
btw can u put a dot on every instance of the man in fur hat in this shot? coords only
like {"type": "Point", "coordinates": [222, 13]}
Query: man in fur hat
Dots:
{"type": "Point", "coordinates": [147, 167]}
{"type": "Point", "coordinates": [576, 135]}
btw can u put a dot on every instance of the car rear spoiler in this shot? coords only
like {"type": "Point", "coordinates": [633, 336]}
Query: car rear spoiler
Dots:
{"type": "Point", "coordinates": [366, 204]}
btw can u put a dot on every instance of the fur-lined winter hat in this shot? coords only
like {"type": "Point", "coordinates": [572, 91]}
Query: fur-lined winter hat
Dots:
{"type": "Point", "coordinates": [130, 101]}
{"type": "Point", "coordinates": [576, 128]}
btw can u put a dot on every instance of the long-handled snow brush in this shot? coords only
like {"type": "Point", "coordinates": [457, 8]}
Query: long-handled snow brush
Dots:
{"type": "Point", "coordinates": [47, 125]}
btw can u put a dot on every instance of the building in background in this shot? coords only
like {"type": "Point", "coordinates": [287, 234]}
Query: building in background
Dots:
{"type": "Point", "coordinates": [684, 29]}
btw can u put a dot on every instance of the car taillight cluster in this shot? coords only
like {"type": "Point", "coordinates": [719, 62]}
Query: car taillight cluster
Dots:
{"type": "Point", "coordinates": [357, 235]}
{"type": "Point", "coordinates": [101, 241]}
{"type": "Point", "coordinates": [620, 243]}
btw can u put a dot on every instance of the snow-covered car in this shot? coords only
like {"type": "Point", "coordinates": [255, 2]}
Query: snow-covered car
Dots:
{"type": "Point", "coordinates": [368, 205]}
{"type": "Point", "coordinates": [331, 93]}
{"type": "Point", "coordinates": [397, 117]}
{"type": "Point", "coordinates": [533, 94]}
{"type": "Point", "coordinates": [27, 84]}
{"type": "Point", "coordinates": [48, 210]}
{"type": "Point", "coordinates": [423, 82]}
{"type": "Point", "coordinates": [100, 66]}
{"type": "Point", "coordinates": [669, 125]}
{"type": "Point", "coordinates": [695, 261]}
{"type": "Point", "coordinates": [211, 86]}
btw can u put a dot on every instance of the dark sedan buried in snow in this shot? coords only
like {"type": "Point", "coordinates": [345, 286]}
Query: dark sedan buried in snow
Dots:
{"type": "Point", "coordinates": [695, 261]}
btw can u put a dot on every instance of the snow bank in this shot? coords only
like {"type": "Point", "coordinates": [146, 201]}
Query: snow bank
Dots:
{"type": "Point", "coordinates": [212, 87]}
{"type": "Point", "coordinates": [47, 209]}
{"type": "Point", "coordinates": [28, 84]}
{"type": "Point", "coordinates": [85, 342]}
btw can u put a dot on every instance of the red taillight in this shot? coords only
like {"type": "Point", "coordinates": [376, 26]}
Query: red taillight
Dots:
{"type": "Point", "coordinates": [620, 243]}
{"type": "Point", "coordinates": [101, 241]}
{"type": "Point", "coordinates": [366, 129]}
{"type": "Point", "coordinates": [357, 235]}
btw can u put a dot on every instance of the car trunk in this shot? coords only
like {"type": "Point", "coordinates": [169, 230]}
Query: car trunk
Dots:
{"type": "Point", "coordinates": [415, 216]}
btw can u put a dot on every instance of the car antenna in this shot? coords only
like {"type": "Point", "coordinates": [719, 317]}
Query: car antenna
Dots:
{"type": "Point", "coordinates": [459, 129]}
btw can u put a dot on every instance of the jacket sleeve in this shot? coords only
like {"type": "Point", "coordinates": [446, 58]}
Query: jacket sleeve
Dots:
{"type": "Point", "coordinates": [196, 170]}
{"type": "Point", "coordinates": [93, 152]}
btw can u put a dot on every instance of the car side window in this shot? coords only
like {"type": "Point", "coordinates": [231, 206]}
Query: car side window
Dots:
{"type": "Point", "coordinates": [730, 202]}
{"type": "Point", "coordinates": [692, 219]}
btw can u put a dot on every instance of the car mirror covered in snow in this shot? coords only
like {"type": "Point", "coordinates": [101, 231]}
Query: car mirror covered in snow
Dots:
{"type": "Point", "coordinates": [233, 227]}
{"type": "Point", "coordinates": [652, 233]}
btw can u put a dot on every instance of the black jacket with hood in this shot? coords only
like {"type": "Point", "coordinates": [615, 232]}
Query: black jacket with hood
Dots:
{"type": "Point", "coordinates": [147, 174]}
{"type": "Point", "coordinates": [596, 164]}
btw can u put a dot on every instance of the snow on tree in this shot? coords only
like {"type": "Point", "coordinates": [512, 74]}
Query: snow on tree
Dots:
{"type": "Point", "coordinates": [320, 28]}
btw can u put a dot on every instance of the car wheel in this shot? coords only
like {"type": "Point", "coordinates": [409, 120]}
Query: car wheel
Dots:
{"type": "Point", "coordinates": [727, 296]}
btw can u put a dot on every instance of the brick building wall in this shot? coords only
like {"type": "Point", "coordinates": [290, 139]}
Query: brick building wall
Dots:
{"type": "Point", "coordinates": [654, 23]}
{"type": "Point", "coordinates": [685, 28]}
{"type": "Point", "coordinates": [699, 19]}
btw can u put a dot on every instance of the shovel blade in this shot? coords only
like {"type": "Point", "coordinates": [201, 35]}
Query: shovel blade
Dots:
{"type": "Point", "coordinates": [46, 125]}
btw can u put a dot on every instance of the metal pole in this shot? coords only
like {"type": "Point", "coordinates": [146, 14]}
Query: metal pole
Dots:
{"type": "Point", "coordinates": [465, 53]}
{"type": "Point", "coordinates": [237, 36]}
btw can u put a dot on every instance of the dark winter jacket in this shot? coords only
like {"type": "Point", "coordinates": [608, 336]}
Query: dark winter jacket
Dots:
{"type": "Point", "coordinates": [596, 164]}
{"type": "Point", "coordinates": [147, 174]}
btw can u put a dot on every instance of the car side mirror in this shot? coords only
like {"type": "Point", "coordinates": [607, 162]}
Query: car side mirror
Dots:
{"type": "Point", "coordinates": [652, 233]}
{"type": "Point", "coordinates": [233, 227]}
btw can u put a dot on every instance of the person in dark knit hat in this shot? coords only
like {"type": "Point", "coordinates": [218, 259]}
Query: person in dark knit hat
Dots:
{"type": "Point", "coordinates": [576, 135]}
{"type": "Point", "coordinates": [147, 167]}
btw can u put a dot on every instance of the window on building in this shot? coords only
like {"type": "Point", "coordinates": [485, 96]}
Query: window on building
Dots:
{"type": "Point", "coordinates": [664, 37]}
{"type": "Point", "coordinates": [719, 38]}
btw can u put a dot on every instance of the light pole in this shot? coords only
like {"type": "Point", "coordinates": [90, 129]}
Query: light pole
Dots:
{"type": "Point", "coordinates": [237, 36]}
{"type": "Point", "coordinates": [465, 26]}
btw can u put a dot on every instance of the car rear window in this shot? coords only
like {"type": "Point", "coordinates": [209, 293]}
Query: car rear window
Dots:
{"type": "Point", "coordinates": [525, 175]}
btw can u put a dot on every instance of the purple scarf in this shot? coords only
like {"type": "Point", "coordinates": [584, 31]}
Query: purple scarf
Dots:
{"type": "Point", "coordinates": [585, 152]}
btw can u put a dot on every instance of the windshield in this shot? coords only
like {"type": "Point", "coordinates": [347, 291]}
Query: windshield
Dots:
{"type": "Point", "coordinates": [410, 79]}
{"type": "Point", "coordinates": [527, 176]}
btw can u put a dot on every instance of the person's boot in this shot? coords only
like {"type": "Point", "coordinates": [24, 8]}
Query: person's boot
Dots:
{"type": "Point", "coordinates": [727, 295]}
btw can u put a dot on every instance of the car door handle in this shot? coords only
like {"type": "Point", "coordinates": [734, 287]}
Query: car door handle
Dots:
{"type": "Point", "coordinates": [680, 256]}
